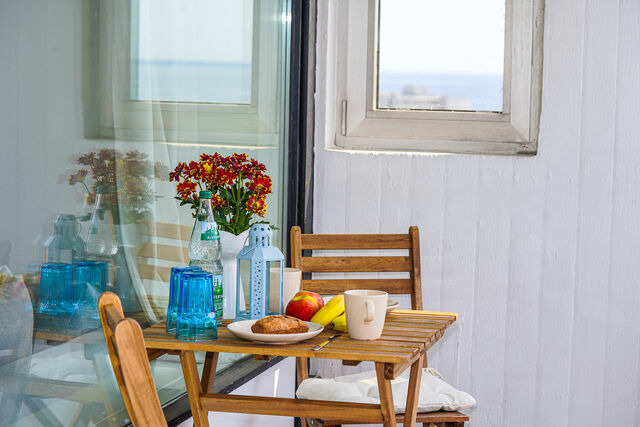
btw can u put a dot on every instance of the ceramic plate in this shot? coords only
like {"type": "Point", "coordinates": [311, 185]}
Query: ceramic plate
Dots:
{"type": "Point", "coordinates": [242, 329]}
{"type": "Point", "coordinates": [392, 305]}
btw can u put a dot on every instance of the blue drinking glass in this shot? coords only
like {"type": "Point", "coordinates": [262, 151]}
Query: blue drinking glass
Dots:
{"type": "Point", "coordinates": [196, 311]}
{"type": "Point", "coordinates": [90, 282]}
{"type": "Point", "coordinates": [174, 292]}
{"type": "Point", "coordinates": [56, 289]}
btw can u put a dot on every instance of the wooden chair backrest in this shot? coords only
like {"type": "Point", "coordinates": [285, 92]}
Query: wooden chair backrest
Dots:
{"type": "Point", "coordinates": [176, 253]}
{"type": "Point", "coordinates": [130, 363]}
{"type": "Point", "coordinates": [346, 264]}
{"type": "Point", "coordinates": [166, 244]}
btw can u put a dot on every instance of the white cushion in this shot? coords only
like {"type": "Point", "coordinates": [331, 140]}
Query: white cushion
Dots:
{"type": "Point", "coordinates": [435, 394]}
{"type": "Point", "coordinates": [70, 366]}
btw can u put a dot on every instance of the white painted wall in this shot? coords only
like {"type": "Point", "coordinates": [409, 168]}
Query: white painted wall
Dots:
{"type": "Point", "coordinates": [539, 256]}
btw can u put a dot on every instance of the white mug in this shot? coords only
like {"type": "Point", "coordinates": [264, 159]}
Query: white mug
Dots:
{"type": "Point", "coordinates": [366, 311]}
{"type": "Point", "coordinates": [292, 278]}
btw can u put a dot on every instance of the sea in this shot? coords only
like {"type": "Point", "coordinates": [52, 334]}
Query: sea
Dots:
{"type": "Point", "coordinates": [230, 83]}
{"type": "Point", "coordinates": [484, 91]}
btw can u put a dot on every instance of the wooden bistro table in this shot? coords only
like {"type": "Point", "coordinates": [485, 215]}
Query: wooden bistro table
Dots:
{"type": "Point", "coordinates": [406, 337]}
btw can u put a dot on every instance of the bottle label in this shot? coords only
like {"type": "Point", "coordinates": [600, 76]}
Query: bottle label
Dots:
{"type": "Point", "coordinates": [209, 231]}
{"type": "Point", "coordinates": [218, 298]}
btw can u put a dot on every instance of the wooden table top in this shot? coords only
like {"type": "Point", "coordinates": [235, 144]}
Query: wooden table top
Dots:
{"type": "Point", "coordinates": [406, 335]}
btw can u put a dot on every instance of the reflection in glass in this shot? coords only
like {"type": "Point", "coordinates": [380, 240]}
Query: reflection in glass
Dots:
{"type": "Point", "coordinates": [441, 55]}
{"type": "Point", "coordinates": [90, 280]}
{"type": "Point", "coordinates": [185, 55]}
{"type": "Point", "coordinates": [101, 239]}
{"type": "Point", "coordinates": [76, 157]}
{"type": "Point", "coordinates": [56, 289]}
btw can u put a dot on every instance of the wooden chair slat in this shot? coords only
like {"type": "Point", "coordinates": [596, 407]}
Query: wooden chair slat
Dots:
{"type": "Point", "coordinates": [130, 361]}
{"type": "Point", "coordinates": [137, 374]}
{"type": "Point", "coordinates": [169, 231]}
{"type": "Point", "coordinates": [164, 252]}
{"type": "Point", "coordinates": [355, 241]}
{"type": "Point", "coordinates": [154, 272]}
{"type": "Point", "coordinates": [338, 286]}
{"type": "Point", "coordinates": [424, 417]}
{"type": "Point", "coordinates": [366, 412]}
{"type": "Point", "coordinates": [356, 264]}
{"type": "Point", "coordinates": [113, 316]}
{"type": "Point", "coordinates": [111, 300]}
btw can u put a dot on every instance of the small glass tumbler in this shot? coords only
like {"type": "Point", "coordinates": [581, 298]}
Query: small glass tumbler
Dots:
{"type": "Point", "coordinates": [174, 292]}
{"type": "Point", "coordinates": [90, 281]}
{"type": "Point", "coordinates": [56, 289]}
{"type": "Point", "coordinates": [196, 312]}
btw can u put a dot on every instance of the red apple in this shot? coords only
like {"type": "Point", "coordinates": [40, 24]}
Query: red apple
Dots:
{"type": "Point", "coordinates": [304, 305]}
{"type": "Point", "coordinates": [317, 297]}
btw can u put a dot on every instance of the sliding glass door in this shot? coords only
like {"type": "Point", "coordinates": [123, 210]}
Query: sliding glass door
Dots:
{"type": "Point", "coordinates": [99, 101]}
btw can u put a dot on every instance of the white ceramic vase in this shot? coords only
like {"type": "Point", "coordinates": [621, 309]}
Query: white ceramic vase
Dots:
{"type": "Point", "coordinates": [231, 245]}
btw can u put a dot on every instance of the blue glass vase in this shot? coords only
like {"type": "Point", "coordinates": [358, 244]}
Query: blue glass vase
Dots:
{"type": "Point", "coordinates": [196, 311]}
{"type": "Point", "coordinates": [174, 293]}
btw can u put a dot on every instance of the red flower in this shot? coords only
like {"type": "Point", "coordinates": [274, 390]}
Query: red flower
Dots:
{"type": "Point", "coordinates": [186, 189]}
{"type": "Point", "coordinates": [239, 185]}
{"type": "Point", "coordinates": [257, 206]}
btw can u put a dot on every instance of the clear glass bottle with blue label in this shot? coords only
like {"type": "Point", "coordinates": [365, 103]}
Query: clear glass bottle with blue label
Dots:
{"type": "Point", "coordinates": [205, 250]}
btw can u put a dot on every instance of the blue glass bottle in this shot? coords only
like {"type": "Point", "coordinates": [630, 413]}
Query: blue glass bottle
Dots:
{"type": "Point", "coordinates": [196, 311]}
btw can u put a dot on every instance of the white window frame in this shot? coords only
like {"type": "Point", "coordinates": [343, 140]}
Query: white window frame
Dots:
{"type": "Point", "coordinates": [256, 123]}
{"type": "Point", "coordinates": [360, 125]}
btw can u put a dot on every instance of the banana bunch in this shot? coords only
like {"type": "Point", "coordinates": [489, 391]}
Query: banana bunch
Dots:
{"type": "Point", "coordinates": [331, 310]}
{"type": "Point", "coordinates": [340, 323]}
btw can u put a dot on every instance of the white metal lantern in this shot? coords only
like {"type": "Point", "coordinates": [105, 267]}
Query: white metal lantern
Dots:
{"type": "Point", "coordinates": [260, 253]}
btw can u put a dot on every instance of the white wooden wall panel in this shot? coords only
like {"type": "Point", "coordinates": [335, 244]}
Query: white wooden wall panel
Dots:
{"type": "Point", "coordinates": [540, 256]}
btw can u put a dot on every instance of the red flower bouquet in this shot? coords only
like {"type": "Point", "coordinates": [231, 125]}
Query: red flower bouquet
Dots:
{"type": "Point", "coordinates": [239, 186]}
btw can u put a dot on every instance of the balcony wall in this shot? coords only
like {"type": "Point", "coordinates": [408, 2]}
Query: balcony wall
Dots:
{"type": "Point", "coordinates": [538, 255]}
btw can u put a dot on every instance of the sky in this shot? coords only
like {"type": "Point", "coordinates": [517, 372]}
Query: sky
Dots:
{"type": "Point", "coordinates": [442, 36]}
{"type": "Point", "coordinates": [416, 36]}
{"type": "Point", "coordinates": [196, 30]}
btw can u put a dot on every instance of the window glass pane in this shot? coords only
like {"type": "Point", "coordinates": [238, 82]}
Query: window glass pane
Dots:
{"type": "Point", "coordinates": [441, 54]}
{"type": "Point", "coordinates": [192, 51]}
{"type": "Point", "coordinates": [84, 172]}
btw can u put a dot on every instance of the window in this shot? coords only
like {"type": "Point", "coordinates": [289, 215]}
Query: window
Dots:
{"type": "Point", "coordinates": [179, 56]}
{"type": "Point", "coordinates": [105, 98]}
{"type": "Point", "coordinates": [458, 76]}
{"type": "Point", "coordinates": [216, 76]}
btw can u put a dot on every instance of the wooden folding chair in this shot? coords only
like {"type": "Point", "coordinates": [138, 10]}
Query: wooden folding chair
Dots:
{"type": "Point", "coordinates": [130, 363]}
{"type": "Point", "coordinates": [360, 264]}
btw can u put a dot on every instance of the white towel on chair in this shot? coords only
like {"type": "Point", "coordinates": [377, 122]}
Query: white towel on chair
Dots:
{"type": "Point", "coordinates": [435, 394]}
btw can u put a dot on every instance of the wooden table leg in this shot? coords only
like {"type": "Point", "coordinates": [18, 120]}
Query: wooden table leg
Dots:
{"type": "Point", "coordinates": [302, 373]}
{"type": "Point", "coordinates": [413, 392]}
{"type": "Point", "coordinates": [386, 397]}
{"type": "Point", "coordinates": [194, 388]}
{"type": "Point", "coordinates": [209, 371]}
